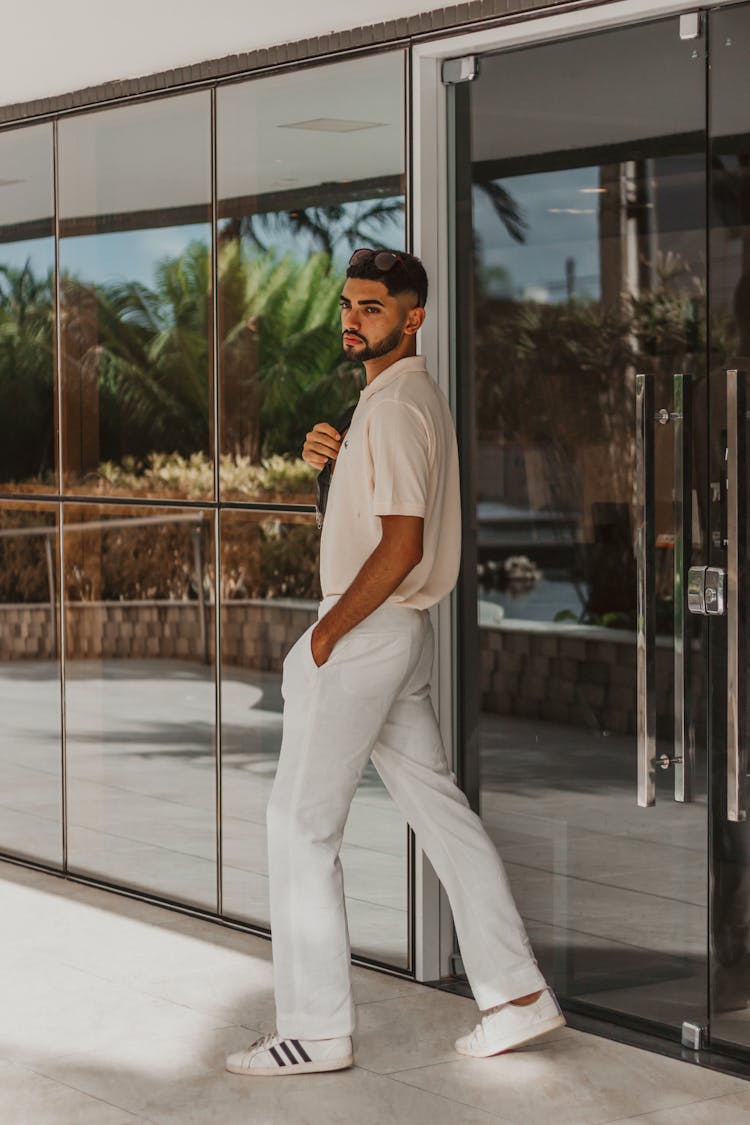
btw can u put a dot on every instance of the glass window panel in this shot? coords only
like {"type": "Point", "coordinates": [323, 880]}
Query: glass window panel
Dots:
{"type": "Point", "coordinates": [140, 698]}
{"type": "Point", "coordinates": [28, 461]}
{"type": "Point", "coordinates": [310, 166]}
{"type": "Point", "coordinates": [270, 595]}
{"type": "Point", "coordinates": [135, 260]}
{"type": "Point", "coordinates": [30, 733]}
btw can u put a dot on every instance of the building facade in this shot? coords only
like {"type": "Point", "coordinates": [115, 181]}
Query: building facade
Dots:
{"type": "Point", "coordinates": [576, 179]}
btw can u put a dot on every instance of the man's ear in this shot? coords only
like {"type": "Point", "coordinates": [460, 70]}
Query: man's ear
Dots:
{"type": "Point", "coordinates": [414, 321]}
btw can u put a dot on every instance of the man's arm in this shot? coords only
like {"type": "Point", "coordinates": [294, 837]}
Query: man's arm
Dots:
{"type": "Point", "coordinates": [397, 553]}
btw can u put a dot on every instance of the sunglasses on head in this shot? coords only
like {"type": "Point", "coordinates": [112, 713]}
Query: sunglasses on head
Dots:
{"type": "Point", "coordinates": [383, 260]}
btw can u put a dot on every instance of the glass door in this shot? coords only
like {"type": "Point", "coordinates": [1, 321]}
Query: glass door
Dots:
{"type": "Point", "coordinates": [729, 218]}
{"type": "Point", "coordinates": [581, 191]}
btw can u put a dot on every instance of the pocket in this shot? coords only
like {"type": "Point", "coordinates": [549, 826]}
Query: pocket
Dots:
{"type": "Point", "coordinates": [298, 664]}
{"type": "Point", "coordinates": [307, 648]}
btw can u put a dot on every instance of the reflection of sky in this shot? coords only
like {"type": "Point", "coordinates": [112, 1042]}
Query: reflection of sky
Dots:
{"type": "Point", "coordinates": [133, 255]}
{"type": "Point", "coordinates": [540, 601]}
{"type": "Point", "coordinates": [127, 255]}
{"type": "Point", "coordinates": [562, 224]}
{"type": "Point", "coordinates": [40, 252]}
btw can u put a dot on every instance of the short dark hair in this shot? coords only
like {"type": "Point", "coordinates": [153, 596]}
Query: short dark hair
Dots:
{"type": "Point", "coordinates": [407, 275]}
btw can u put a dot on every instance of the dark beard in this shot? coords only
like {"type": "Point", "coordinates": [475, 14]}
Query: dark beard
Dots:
{"type": "Point", "coordinates": [378, 350]}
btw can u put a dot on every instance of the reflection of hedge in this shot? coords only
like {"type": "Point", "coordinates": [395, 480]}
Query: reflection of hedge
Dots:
{"type": "Point", "coordinates": [191, 478]}
{"type": "Point", "coordinates": [264, 555]}
{"type": "Point", "coordinates": [272, 556]}
{"type": "Point", "coordinates": [135, 563]}
{"type": "Point", "coordinates": [24, 572]}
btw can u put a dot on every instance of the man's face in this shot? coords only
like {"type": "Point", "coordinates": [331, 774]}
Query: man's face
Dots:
{"type": "Point", "coordinates": [373, 323]}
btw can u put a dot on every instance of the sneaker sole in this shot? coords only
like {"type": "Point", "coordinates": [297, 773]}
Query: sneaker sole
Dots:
{"type": "Point", "coordinates": [292, 1068]}
{"type": "Point", "coordinates": [538, 1030]}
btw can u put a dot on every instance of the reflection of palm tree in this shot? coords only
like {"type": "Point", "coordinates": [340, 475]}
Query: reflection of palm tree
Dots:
{"type": "Point", "coordinates": [148, 349]}
{"type": "Point", "coordinates": [504, 206]}
{"type": "Point", "coordinates": [26, 373]}
{"type": "Point", "coordinates": [291, 310]}
{"type": "Point", "coordinates": [153, 357]}
{"type": "Point", "coordinates": [326, 226]}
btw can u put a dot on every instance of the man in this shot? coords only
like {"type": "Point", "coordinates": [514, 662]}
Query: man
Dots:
{"type": "Point", "coordinates": [356, 686]}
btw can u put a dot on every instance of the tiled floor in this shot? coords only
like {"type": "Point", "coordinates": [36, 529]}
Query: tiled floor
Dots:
{"type": "Point", "coordinates": [115, 1011]}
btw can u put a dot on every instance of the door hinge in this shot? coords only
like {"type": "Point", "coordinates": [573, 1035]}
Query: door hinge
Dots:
{"type": "Point", "coordinates": [693, 1036]}
{"type": "Point", "coordinates": [456, 965]}
{"type": "Point", "coordinates": [691, 25]}
{"type": "Point", "coordinates": [455, 71]}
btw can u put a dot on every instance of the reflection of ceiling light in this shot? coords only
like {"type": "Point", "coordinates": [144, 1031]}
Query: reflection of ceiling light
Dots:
{"type": "Point", "coordinates": [593, 191]}
{"type": "Point", "coordinates": [332, 125]}
{"type": "Point", "coordinates": [7, 183]}
{"type": "Point", "coordinates": [570, 211]}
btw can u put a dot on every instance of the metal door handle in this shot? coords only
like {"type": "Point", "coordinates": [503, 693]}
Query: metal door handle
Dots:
{"type": "Point", "coordinates": [684, 733]}
{"type": "Point", "coordinates": [646, 567]}
{"type": "Point", "coordinates": [737, 760]}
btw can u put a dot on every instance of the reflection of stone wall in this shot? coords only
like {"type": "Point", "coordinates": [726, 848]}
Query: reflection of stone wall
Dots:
{"type": "Point", "coordinates": [136, 630]}
{"type": "Point", "coordinates": [575, 675]}
{"type": "Point", "coordinates": [26, 632]}
{"type": "Point", "coordinates": [255, 633]}
{"type": "Point", "coordinates": [259, 634]}
{"type": "Point", "coordinates": [569, 674]}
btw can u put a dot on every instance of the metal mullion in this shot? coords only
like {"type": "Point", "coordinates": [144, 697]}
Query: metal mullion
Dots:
{"type": "Point", "coordinates": [61, 653]}
{"type": "Point", "coordinates": [217, 513]}
{"type": "Point", "coordinates": [408, 155]}
{"type": "Point", "coordinates": [408, 161]}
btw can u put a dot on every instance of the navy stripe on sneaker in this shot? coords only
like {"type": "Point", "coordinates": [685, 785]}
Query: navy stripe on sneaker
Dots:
{"type": "Point", "coordinates": [288, 1051]}
{"type": "Point", "coordinates": [303, 1053]}
{"type": "Point", "coordinates": [277, 1056]}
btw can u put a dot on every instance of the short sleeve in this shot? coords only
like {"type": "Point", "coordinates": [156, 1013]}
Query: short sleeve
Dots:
{"type": "Point", "coordinates": [400, 448]}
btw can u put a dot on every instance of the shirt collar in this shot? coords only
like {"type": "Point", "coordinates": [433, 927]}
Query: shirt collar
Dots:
{"type": "Point", "coordinates": [386, 377]}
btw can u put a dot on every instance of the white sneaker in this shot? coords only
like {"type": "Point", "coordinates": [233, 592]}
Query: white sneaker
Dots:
{"type": "Point", "coordinates": [274, 1056]}
{"type": "Point", "coordinates": [510, 1025]}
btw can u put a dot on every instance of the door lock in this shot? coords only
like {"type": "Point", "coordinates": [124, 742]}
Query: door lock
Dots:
{"type": "Point", "coordinates": [706, 591]}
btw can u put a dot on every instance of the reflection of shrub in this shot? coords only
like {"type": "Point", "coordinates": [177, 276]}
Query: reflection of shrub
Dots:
{"type": "Point", "coordinates": [261, 558]}
{"type": "Point", "coordinates": [288, 562]}
{"type": "Point", "coordinates": [135, 563]}
{"type": "Point", "coordinates": [24, 572]}
{"type": "Point", "coordinates": [263, 555]}
{"type": "Point", "coordinates": [187, 477]}
{"type": "Point", "coordinates": [269, 558]}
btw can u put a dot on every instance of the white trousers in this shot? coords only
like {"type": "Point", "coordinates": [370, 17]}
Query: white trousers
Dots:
{"type": "Point", "coordinates": [371, 699]}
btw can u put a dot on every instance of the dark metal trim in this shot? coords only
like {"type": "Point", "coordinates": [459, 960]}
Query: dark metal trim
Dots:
{"type": "Point", "coordinates": [104, 501]}
{"type": "Point", "coordinates": [322, 48]}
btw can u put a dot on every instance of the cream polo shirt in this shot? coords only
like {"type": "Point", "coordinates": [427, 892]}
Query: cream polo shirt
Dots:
{"type": "Point", "coordinates": [399, 457]}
